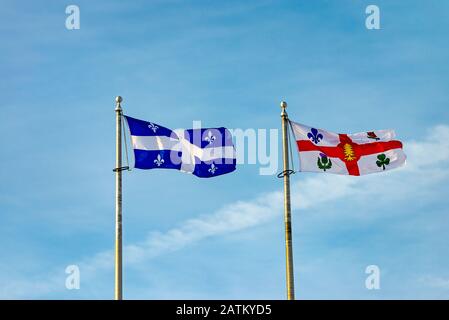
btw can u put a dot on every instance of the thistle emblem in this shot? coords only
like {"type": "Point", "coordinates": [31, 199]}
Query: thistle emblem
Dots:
{"type": "Point", "coordinates": [382, 161]}
{"type": "Point", "coordinates": [314, 135]}
{"type": "Point", "coordinates": [210, 137]}
{"type": "Point", "coordinates": [349, 152]}
{"type": "Point", "coordinates": [159, 161]}
{"type": "Point", "coordinates": [153, 127]}
{"type": "Point", "coordinates": [323, 162]}
{"type": "Point", "coordinates": [372, 135]}
{"type": "Point", "coordinates": [212, 168]}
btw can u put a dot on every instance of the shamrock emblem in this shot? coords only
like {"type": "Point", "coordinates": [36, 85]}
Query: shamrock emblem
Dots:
{"type": "Point", "coordinates": [382, 161]}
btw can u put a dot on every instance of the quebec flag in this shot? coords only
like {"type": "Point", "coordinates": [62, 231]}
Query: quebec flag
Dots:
{"type": "Point", "coordinates": [204, 152]}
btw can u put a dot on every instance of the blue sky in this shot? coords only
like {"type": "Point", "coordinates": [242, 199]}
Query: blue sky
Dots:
{"type": "Point", "coordinates": [226, 64]}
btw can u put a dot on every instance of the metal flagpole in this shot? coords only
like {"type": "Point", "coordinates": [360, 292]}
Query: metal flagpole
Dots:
{"type": "Point", "coordinates": [287, 210]}
{"type": "Point", "coordinates": [118, 200]}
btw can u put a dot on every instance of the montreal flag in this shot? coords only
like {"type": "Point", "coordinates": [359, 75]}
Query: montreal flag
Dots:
{"type": "Point", "coordinates": [348, 154]}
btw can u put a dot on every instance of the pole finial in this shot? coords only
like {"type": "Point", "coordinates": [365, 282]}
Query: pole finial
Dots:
{"type": "Point", "coordinates": [118, 100]}
{"type": "Point", "coordinates": [283, 107]}
{"type": "Point", "coordinates": [283, 104]}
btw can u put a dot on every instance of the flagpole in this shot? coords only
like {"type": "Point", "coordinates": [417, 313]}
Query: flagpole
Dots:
{"type": "Point", "coordinates": [287, 209]}
{"type": "Point", "coordinates": [118, 200]}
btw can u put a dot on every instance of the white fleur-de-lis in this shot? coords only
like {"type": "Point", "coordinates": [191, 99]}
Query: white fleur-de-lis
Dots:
{"type": "Point", "coordinates": [210, 137]}
{"type": "Point", "coordinates": [153, 127]}
{"type": "Point", "coordinates": [159, 161]}
{"type": "Point", "coordinates": [212, 168]}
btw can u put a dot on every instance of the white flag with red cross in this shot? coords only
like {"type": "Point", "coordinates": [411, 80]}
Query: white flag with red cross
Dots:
{"type": "Point", "coordinates": [350, 154]}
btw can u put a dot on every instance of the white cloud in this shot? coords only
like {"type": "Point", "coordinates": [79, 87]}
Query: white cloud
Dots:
{"type": "Point", "coordinates": [427, 165]}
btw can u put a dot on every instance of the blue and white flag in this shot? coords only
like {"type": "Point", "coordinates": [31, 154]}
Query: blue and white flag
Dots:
{"type": "Point", "coordinates": [204, 152]}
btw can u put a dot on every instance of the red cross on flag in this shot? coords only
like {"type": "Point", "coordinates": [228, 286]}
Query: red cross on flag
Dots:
{"type": "Point", "coordinates": [350, 154]}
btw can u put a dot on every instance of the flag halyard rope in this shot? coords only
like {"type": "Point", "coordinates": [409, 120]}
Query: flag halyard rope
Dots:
{"type": "Point", "coordinates": [290, 171]}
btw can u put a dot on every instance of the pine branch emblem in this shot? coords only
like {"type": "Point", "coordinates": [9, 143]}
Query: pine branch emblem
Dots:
{"type": "Point", "coordinates": [323, 162]}
{"type": "Point", "coordinates": [349, 152]}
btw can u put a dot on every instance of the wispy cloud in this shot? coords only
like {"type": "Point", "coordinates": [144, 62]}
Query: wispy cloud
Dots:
{"type": "Point", "coordinates": [422, 170]}
{"type": "Point", "coordinates": [435, 282]}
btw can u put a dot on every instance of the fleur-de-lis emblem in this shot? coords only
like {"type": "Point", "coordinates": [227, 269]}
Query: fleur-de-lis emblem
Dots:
{"type": "Point", "coordinates": [314, 135]}
{"type": "Point", "coordinates": [153, 127]}
{"type": "Point", "coordinates": [382, 161]}
{"type": "Point", "coordinates": [212, 168]}
{"type": "Point", "coordinates": [159, 161]}
{"type": "Point", "coordinates": [210, 137]}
